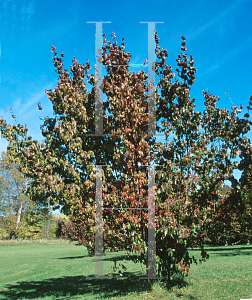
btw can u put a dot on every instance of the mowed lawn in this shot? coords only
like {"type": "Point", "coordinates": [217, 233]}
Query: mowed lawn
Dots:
{"type": "Point", "coordinates": [58, 270]}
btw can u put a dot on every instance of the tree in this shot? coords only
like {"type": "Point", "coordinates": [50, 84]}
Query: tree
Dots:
{"type": "Point", "coordinates": [38, 222]}
{"type": "Point", "coordinates": [13, 202]}
{"type": "Point", "coordinates": [244, 208]}
{"type": "Point", "coordinates": [232, 218]}
{"type": "Point", "coordinates": [20, 217]}
{"type": "Point", "coordinates": [1, 194]}
{"type": "Point", "coordinates": [247, 185]}
{"type": "Point", "coordinates": [188, 181]}
{"type": "Point", "coordinates": [216, 234]}
{"type": "Point", "coordinates": [76, 232]}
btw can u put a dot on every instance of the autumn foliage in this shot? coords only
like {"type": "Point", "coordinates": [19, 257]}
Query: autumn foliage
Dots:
{"type": "Point", "coordinates": [191, 166]}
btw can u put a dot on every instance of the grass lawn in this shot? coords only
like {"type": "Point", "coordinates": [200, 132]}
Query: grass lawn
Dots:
{"type": "Point", "coordinates": [58, 270]}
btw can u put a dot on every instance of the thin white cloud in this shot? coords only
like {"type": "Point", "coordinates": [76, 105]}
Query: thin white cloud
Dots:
{"type": "Point", "coordinates": [228, 12]}
{"type": "Point", "coordinates": [17, 103]}
{"type": "Point", "coordinates": [211, 69]}
{"type": "Point", "coordinates": [34, 99]}
{"type": "Point", "coordinates": [28, 11]}
{"type": "Point", "coordinates": [230, 55]}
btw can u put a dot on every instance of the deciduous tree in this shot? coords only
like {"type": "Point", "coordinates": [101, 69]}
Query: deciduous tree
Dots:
{"type": "Point", "coordinates": [13, 201]}
{"type": "Point", "coordinates": [192, 165]}
{"type": "Point", "coordinates": [20, 217]}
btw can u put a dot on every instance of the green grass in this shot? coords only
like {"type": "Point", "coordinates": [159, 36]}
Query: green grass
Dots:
{"type": "Point", "coordinates": [58, 270]}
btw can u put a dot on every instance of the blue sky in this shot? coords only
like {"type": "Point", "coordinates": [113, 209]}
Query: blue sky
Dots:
{"type": "Point", "coordinates": [218, 35]}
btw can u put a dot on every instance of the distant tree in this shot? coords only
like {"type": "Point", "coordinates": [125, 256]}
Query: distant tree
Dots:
{"type": "Point", "coordinates": [232, 218]}
{"type": "Point", "coordinates": [41, 223]}
{"type": "Point", "coordinates": [2, 209]}
{"type": "Point", "coordinates": [61, 220]}
{"type": "Point", "coordinates": [246, 192]}
{"type": "Point", "coordinates": [13, 201]}
{"type": "Point", "coordinates": [21, 217]}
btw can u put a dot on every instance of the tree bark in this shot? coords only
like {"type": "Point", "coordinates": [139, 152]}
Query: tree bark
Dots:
{"type": "Point", "coordinates": [19, 215]}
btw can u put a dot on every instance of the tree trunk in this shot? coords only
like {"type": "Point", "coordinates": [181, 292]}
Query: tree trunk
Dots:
{"type": "Point", "coordinates": [19, 215]}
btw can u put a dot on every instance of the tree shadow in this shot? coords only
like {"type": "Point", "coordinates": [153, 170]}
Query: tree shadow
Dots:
{"type": "Point", "coordinates": [228, 251]}
{"type": "Point", "coordinates": [188, 296]}
{"type": "Point", "coordinates": [70, 286]}
{"type": "Point", "coordinates": [73, 257]}
{"type": "Point", "coordinates": [235, 253]}
{"type": "Point", "coordinates": [119, 257]}
{"type": "Point", "coordinates": [225, 248]}
{"type": "Point", "coordinates": [105, 257]}
{"type": "Point", "coordinates": [176, 281]}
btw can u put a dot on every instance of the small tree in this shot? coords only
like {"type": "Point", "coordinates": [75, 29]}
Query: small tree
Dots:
{"type": "Point", "coordinates": [188, 183]}
{"type": "Point", "coordinates": [77, 232]}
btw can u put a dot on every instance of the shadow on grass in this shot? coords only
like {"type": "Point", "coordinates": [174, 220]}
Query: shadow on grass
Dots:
{"type": "Point", "coordinates": [116, 257]}
{"type": "Point", "coordinates": [70, 286]}
{"type": "Point", "coordinates": [177, 281]}
{"type": "Point", "coordinates": [234, 254]}
{"type": "Point", "coordinates": [67, 287]}
{"type": "Point", "coordinates": [234, 251]}
{"type": "Point", "coordinates": [230, 248]}
{"type": "Point", "coordinates": [224, 248]}
{"type": "Point", "coordinates": [73, 257]}
{"type": "Point", "coordinates": [74, 286]}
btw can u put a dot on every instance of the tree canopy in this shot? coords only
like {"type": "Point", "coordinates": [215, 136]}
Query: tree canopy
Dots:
{"type": "Point", "coordinates": [191, 167]}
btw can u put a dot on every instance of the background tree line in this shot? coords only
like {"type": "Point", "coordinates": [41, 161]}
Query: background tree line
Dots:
{"type": "Point", "coordinates": [20, 217]}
